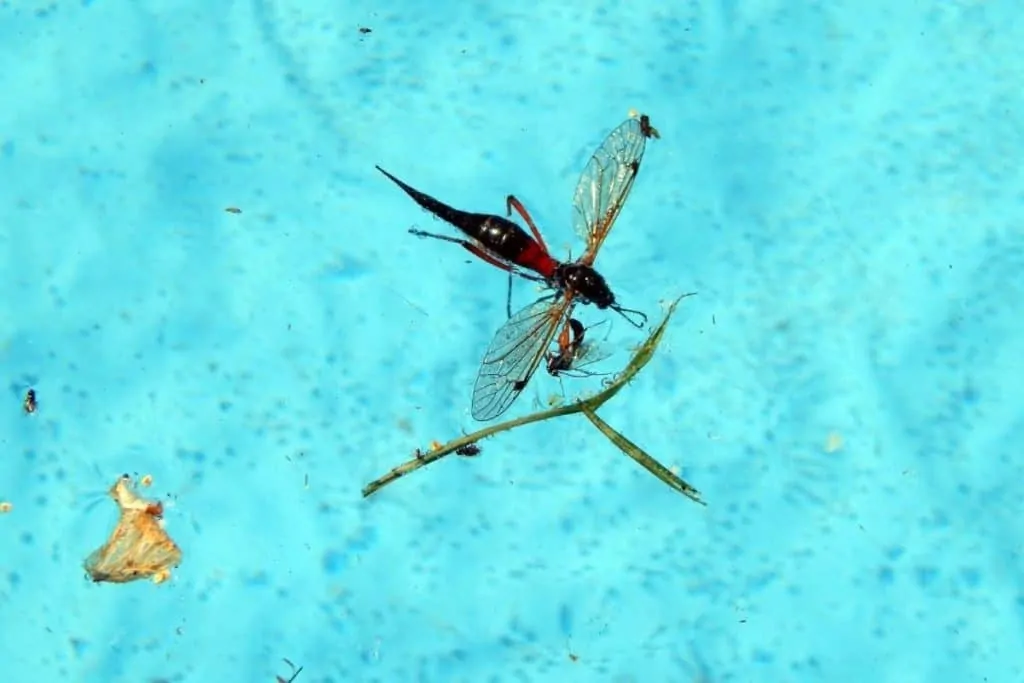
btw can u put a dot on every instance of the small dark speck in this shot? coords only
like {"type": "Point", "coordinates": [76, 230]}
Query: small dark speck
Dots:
{"type": "Point", "coordinates": [233, 209]}
{"type": "Point", "coordinates": [365, 29]}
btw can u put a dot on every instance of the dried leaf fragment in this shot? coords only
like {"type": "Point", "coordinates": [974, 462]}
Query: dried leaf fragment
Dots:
{"type": "Point", "coordinates": [138, 548]}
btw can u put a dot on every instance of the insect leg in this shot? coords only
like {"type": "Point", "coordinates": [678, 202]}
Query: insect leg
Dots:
{"type": "Point", "coordinates": [512, 203]}
{"type": "Point", "coordinates": [434, 235]}
{"type": "Point", "coordinates": [474, 249]}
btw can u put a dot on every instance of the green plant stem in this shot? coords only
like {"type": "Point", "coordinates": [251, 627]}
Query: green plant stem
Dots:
{"type": "Point", "coordinates": [641, 456]}
{"type": "Point", "coordinates": [586, 406]}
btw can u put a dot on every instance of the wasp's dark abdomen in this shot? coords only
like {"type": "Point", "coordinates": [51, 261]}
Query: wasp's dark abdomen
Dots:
{"type": "Point", "coordinates": [495, 234]}
{"type": "Point", "coordinates": [500, 235]}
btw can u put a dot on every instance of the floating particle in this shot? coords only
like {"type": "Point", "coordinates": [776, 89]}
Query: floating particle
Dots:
{"type": "Point", "coordinates": [138, 548]}
{"type": "Point", "coordinates": [834, 442]}
{"type": "Point", "coordinates": [5, 507]}
{"type": "Point", "coordinates": [295, 674]}
{"type": "Point", "coordinates": [233, 209]}
{"type": "Point", "coordinates": [147, 480]}
{"type": "Point", "coordinates": [365, 29]}
{"type": "Point", "coordinates": [30, 404]}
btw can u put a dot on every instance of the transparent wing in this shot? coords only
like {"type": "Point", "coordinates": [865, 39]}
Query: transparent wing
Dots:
{"type": "Point", "coordinates": [607, 180]}
{"type": "Point", "coordinates": [514, 354]}
{"type": "Point", "coordinates": [579, 356]}
{"type": "Point", "coordinates": [589, 353]}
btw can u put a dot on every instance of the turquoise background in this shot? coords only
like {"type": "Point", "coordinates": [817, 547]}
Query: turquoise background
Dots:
{"type": "Point", "coordinates": [840, 182]}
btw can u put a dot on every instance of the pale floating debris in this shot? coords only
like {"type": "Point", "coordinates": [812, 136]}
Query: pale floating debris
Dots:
{"type": "Point", "coordinates": [138, 548]}
{"type": "Point", "coordinates": [834, 442]}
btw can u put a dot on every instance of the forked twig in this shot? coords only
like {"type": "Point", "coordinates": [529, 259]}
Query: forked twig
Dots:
{"type": "Point", "coordinates": [588, 407]}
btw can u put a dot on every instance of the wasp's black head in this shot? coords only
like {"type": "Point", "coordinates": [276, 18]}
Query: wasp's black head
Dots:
{"type": "Point", "coordinates": [585, 283]}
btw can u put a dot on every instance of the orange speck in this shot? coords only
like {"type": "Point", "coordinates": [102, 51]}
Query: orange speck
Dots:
{"type": "Point", "coordinates": [147, 480]}
{"type": "Point", "coordinates": [5, 507]}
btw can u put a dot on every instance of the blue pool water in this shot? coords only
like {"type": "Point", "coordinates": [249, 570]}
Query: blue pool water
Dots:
{"type": "Point", "coordinates": [840, 183]}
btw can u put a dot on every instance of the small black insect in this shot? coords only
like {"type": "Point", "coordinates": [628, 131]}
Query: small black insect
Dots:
{"type": "Point", "coordinates": [364, 30]}
{"type": "Point", "coordinates": [469, 450]}
{"type": "Point", "coordinates": [30, 404]}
